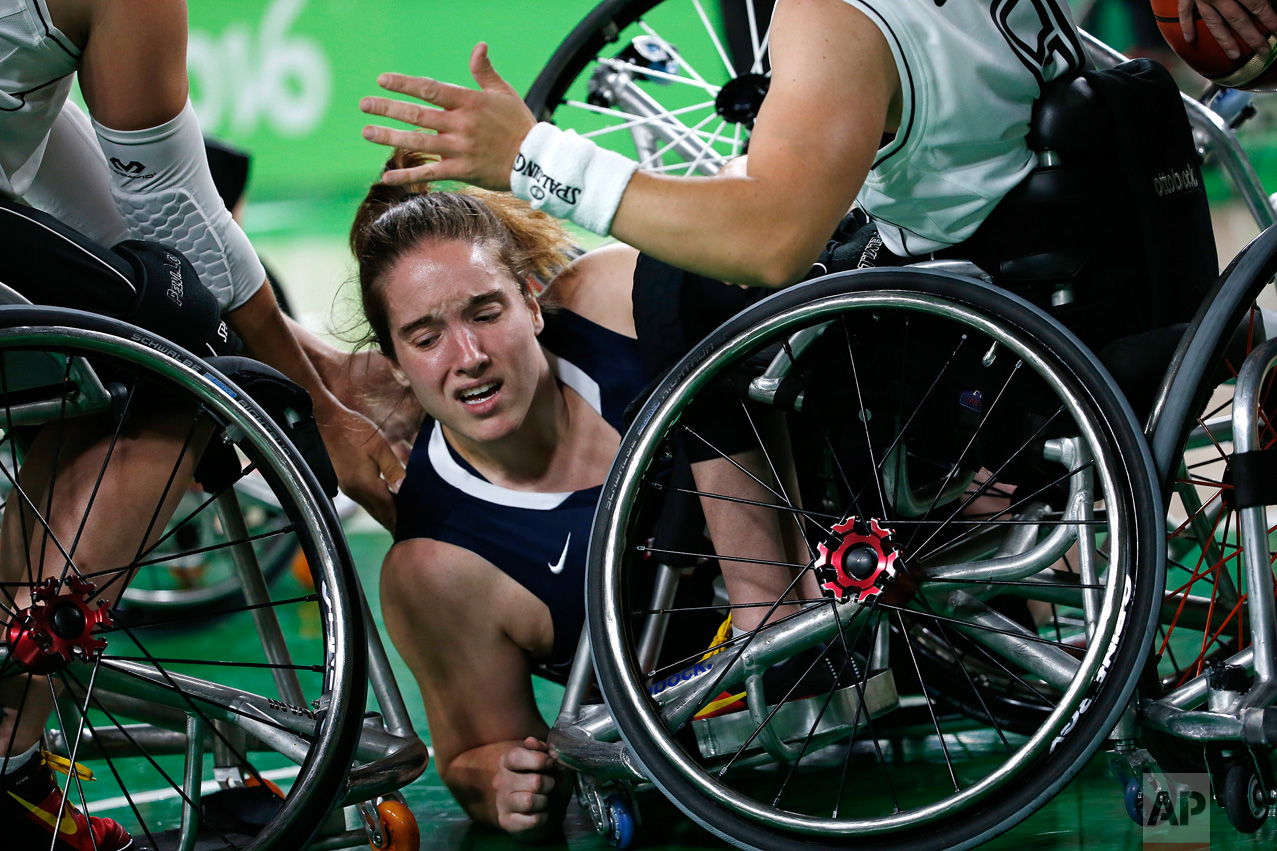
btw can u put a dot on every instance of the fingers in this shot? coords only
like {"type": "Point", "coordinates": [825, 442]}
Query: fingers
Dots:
{"type": "Point", "coordinates": [534, 756]}
{"type": "Point", "coordinates": [1224, 18]}
{"type": "Point", "coordinates": [524, 786]}
{"type": "Point", "coordinates": [1186, 23]}
{"type": "Point", "coordinates": [376, 499]}
{"type": "Point", "coordinates": [416, 174]}
{"type": "Point", "coordinates": [425, 117]}
{"type": "Point", "coordinates": [1219, 28]}
{"type": "Point", "coordinates": [392, 470]}
{"type": "Point", "coordinates": [483, 72]}
{"type": "Point", "coordinates": [1263, 10]}
{"type": "Point", "coordinates": [446, 95]}
{"type": "Point", "coordinates": [403, 452]}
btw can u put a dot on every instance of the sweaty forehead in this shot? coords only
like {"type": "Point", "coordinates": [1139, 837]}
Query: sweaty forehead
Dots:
{"type": "Point", "coordinates": [437, 279]}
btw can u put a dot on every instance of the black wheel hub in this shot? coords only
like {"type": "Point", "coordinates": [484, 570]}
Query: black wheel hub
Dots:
{"type": "Point", "coordinates": [739, 99]}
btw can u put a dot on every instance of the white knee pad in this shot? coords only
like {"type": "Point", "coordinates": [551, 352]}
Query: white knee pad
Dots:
{"type": "Point", "coordinates": [161, 184]}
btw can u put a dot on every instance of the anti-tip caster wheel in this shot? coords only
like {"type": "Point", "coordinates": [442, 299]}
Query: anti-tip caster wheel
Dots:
{"type": "Point", "coordinates": [1243, 796]}
{"type": "Point", "coordinates": [622, 821]}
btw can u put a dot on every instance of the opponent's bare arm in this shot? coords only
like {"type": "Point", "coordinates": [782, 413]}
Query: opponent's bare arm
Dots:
{"type": "Point", "coordinates": [365, 382]}
{"type": "Point", "coordinates": [466, 630]}
{"type": "Point", "coordinates": [834, 91]}
{"type": "Point", "coordinates": [1252, 20]}
{"type": "Point", "coordinates": [133, 66]}
{"type": "Point", "coordinates": [133, 76]}
{"type": "Point", "coordinates": [365, 462]}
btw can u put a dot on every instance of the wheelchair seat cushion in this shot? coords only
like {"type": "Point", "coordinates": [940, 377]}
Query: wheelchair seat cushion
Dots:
{"type": "Point", "coordinates": [49, 263]}
{"type": "Point", "coordinates": [145, 283]}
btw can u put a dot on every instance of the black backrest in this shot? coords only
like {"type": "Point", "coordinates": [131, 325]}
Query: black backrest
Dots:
{"type": "Point", "coordinates": [1115, 211]}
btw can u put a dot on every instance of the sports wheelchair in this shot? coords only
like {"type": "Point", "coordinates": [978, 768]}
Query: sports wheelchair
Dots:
{"type": "Point", "coordinates": [1002, 595]}
{"type": "Point", "coordinates": [257, 734]}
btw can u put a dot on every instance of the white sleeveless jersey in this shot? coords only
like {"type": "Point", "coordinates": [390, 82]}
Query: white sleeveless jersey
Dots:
{"type": "Point", "coordinates": [969, 73]}
{"type": "Point", "coordinates": [37, 63]}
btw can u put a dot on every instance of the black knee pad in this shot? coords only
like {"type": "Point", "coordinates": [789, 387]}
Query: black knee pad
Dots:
{"type": "Point", "coordinates": [172, 301]}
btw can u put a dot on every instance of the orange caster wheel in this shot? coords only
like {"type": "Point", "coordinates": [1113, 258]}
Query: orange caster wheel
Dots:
{"type": "Point", "coordinates": [398, 826]}
{"type": "Point", "coordinates": [268, 783]}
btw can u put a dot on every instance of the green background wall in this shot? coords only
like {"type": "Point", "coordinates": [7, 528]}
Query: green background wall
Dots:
{"type": "Point", "coordinates": [283, 79]}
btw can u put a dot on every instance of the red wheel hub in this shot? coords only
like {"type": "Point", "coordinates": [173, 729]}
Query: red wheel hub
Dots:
{"type": "Point", "coordinates": [856, 562]}
{"type": "Point", "coordinates": [57, 628]}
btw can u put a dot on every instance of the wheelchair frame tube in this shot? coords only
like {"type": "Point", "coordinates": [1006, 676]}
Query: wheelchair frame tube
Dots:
{"type": "Point", "coordinates": [257, 595]}
{"type": "Point", "coordinates": [1254, 531]}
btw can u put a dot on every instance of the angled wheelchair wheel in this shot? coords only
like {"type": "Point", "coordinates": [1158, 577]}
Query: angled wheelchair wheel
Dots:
{"type": "Point", "coordinates": [661, 81]}
{"type": "Point", "coordinates": [1206, 617]}
{"type": "Point", "coordinates": [233, 726]}
{"type": "Point", "coordinates": [959, 481]}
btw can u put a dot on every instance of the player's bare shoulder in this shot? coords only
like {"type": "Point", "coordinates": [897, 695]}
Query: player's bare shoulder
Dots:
{"type": "Point", "coordinates": [599, 286]}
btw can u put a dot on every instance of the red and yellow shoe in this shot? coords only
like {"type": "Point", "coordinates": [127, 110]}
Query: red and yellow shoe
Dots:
{"type": "Point", "coordinates": [33, 811]}
{"type": "Point", "coordinates": [726, 702]}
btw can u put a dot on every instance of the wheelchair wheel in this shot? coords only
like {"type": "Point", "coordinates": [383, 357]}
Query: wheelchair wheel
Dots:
{"type": "Point", "coordinates": [237, 724]}
{"type": "Point", "coordinates": [207, 579]}
{"type": "Point", "coordinates": [964, 477]}
{"type": "Point", "coordinates": [1206, 616]}
{"type": "Point", "coordinates": [660, 81]}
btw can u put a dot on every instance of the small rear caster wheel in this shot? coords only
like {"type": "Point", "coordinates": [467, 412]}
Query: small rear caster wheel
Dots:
{"type": "Point", "coordinates": [399, 827]}
{"type": "Point", "coordinates": [622, 821]}
{"type": "Point", "coordinates": [1244, 797]}
{"type": "Point", "coordinates": [1133, 798]}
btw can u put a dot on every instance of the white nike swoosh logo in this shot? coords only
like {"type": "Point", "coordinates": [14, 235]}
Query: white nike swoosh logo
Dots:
{"type": "Point", "coordinates": [557, 567]}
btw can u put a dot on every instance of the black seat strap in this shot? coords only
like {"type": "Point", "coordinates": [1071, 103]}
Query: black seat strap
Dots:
{"type": "Point", "coordinates": [1254, 476]}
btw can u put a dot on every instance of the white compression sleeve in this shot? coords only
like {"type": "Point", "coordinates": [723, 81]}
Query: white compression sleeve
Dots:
{"type": "Point", "coordinates": [73, 184]}
{"type": "Point", "coordinates": [162, 186]}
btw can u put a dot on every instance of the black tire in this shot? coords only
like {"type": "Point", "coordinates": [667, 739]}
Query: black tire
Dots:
{"type": "Point", "coordinates": [867, 319]}
{"type": "Point", "coordinates": [1244, 797]}
{"type": "Point", "coordinates": [65, 374]}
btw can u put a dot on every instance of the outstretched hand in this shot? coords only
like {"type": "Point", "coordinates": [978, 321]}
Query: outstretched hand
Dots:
{"type": "Point", "coordinates": [476, 134]}
{"type": "Point", "coordinates": [1252, 20]}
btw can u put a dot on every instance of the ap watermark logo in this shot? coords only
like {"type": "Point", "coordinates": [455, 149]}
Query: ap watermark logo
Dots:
{"type": "Point", "coordinates": [1175, 812]}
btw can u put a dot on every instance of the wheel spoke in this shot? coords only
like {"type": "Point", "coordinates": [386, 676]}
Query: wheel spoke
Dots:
{"type": "Point", "coordinates": [931, 709]}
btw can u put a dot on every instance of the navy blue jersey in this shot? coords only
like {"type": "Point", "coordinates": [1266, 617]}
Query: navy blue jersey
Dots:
{"type": "Point", "coordinates": [538, 539]}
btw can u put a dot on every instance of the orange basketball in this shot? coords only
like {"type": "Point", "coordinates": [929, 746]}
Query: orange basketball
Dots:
{"type": "Point", "coordinates": [1249, 71]}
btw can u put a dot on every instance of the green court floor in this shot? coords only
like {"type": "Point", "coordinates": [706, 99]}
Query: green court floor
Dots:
{"type": "Point", "coordinates": [1088, 815]}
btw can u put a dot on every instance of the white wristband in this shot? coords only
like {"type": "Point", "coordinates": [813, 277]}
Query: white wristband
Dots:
{"type": "Point", "coordinates": [570, 177]}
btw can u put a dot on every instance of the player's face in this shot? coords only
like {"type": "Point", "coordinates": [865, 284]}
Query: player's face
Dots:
{"type": "Point", "coordinates": [465, 338]}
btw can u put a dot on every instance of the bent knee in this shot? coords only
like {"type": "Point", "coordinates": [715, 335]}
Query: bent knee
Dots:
{"type": "Point", "coordinates": [413, 577]}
